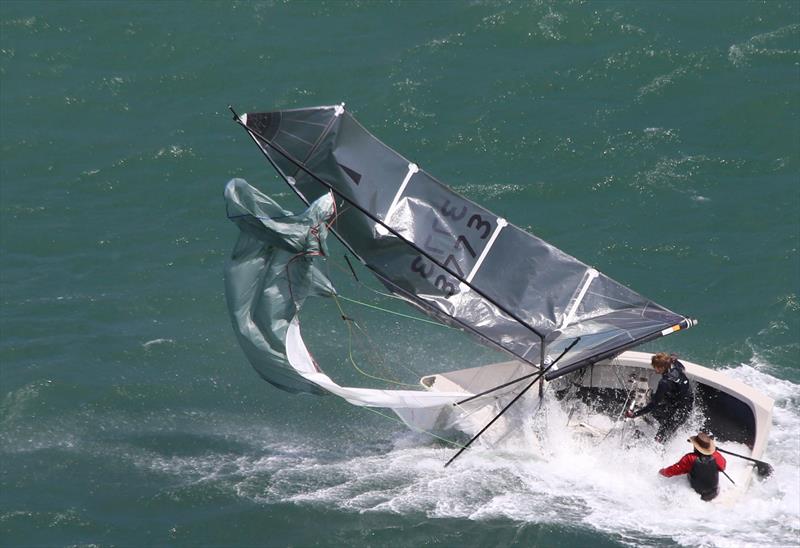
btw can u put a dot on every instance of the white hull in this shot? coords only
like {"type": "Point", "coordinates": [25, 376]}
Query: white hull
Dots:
{"type": "Point", "coordinates": [738, 415]}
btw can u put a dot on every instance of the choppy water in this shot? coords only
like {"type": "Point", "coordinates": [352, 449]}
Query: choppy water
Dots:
{"type": "Point", "coordinates": [658, 142]}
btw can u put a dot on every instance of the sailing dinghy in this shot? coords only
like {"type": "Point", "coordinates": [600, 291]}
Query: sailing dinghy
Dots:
{"type": "Point", "coordinates": [563, 324]}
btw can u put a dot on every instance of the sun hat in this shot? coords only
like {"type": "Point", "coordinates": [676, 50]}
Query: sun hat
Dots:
{"type": "Point", "coordinates": [703, 443]}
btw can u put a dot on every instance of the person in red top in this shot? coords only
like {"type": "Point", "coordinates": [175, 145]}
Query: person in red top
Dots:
{"type": "Point", "coordinates": [703, 466]}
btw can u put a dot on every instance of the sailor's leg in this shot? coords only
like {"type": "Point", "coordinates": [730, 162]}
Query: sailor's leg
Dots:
{"type": "Point", "coordinates": [664, 431]}
{"type": "Point", "coordinates": [669, 422]}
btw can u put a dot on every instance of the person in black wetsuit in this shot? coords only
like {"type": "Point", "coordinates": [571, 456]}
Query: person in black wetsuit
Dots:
{"type": "Point", "coordinates": [673, 401]}
{"type": "Point", "coordinates": [703, 466]}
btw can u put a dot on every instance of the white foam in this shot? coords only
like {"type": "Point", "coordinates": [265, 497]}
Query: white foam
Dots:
{"type": "Point", "coordinates": [776, 43]}
{"type": "Point", "coordinates": [576, 482]}
{"type": "Point", "coordinates": [148, 344]}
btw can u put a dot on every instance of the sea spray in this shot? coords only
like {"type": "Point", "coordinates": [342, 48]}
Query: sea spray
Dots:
{"type": "Point", "coordinates": [610, 485]}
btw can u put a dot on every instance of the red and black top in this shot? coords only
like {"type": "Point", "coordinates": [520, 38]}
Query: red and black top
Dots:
{"type": "Point", "coordinates": [685, 465]}
{"type": "Point", "coordinates": [703, 471]}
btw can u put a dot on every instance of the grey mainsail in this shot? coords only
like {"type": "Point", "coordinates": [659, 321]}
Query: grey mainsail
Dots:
{"type": "Point", "coordinates": [450, 257]}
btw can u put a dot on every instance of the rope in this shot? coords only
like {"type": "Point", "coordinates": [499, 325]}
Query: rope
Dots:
{"type": "Point", "coordinates": [393, 312]}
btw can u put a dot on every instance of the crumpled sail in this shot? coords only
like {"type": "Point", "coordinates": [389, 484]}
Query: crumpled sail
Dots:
{"type": "Point", "coordinates": [453, 259]}
{"type": "Point", "coordinates": [268, 278]}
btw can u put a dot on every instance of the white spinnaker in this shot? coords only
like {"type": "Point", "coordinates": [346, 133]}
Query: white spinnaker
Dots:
{"type": "Point", "coordinates": [300, 359]}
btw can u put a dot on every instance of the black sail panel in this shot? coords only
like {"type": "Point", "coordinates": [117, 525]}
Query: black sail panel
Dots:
{"type": "Point", "coordinates": [452, 258]}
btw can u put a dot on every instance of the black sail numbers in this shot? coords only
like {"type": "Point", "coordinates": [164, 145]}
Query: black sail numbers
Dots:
{"type": "Point", "coordinates": [455, 238]}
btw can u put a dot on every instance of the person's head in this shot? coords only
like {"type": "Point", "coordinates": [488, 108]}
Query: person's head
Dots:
{"type": "Point", "coordinates": [703, 443]}
{"type": "Point", "coordinates": [661, 362]}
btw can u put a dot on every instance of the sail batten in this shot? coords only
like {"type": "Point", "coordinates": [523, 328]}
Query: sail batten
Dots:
{"type": "Point", "coordinates": [591, 274]}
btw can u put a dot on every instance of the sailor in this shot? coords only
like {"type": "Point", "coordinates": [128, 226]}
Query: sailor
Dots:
{"type": "Point", "coordinates": [672, 403]}
{"type": "Point", "coordinates": [703, 466]}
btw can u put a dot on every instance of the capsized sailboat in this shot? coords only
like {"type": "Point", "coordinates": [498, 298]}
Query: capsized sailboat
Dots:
{"type": "Point", "coordinates": [452, 259]}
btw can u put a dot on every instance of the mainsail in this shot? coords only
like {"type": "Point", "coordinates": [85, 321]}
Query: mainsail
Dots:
{"type": "Point", "coordinates": [451, 258]}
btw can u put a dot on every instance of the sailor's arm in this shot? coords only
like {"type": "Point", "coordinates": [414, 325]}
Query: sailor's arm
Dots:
{"type": "Point", "coordinates": [721, 462]}
{"type": "Point", "coordinates": [661, 391]}
{"type": "Point", "coordinates": [683, 466]}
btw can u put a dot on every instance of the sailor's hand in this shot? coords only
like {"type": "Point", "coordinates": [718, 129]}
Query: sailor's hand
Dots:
{"type": "Point", "coordinates": [629, 414]}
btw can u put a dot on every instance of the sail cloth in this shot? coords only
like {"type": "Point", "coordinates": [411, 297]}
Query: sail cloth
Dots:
{"type": "Point", "coordinates": [271, 273]}
{"type": "Point", "coordinates": [269, 276]}
{"type": "Point", "coordinates": [455, 260]}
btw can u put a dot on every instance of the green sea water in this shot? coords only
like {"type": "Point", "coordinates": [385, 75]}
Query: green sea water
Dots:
{"type": "Point", "coordinates": [658, 142]}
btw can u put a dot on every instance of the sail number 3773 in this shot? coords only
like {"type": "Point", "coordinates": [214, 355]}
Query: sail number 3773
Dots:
{"type": "Point", "coordinates": [476, 226]}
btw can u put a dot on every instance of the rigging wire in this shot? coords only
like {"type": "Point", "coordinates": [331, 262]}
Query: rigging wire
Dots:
{"type": "Point", "coordinates": [330, 223]}
{"type": "Point", "coordinates": [338, 265]}
{"type": "Point", "coordinates": [348, 320]}
{"type": "Point", "coordinates": [314, 231]}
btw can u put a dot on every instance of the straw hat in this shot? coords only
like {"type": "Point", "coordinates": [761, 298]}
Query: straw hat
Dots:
{"type": "Point", "coordinates": [703, 443]}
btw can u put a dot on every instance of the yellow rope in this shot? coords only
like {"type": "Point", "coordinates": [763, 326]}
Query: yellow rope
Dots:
{"type": "Point", "coordinates": [350, 352]}
{"type": "Point", "coordinates": [331, 261]}
{"type": "Point", "coordinates": [393, 312]}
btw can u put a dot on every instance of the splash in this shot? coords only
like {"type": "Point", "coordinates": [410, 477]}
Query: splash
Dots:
{"type": "Point", "coordinates": [575, 482]}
